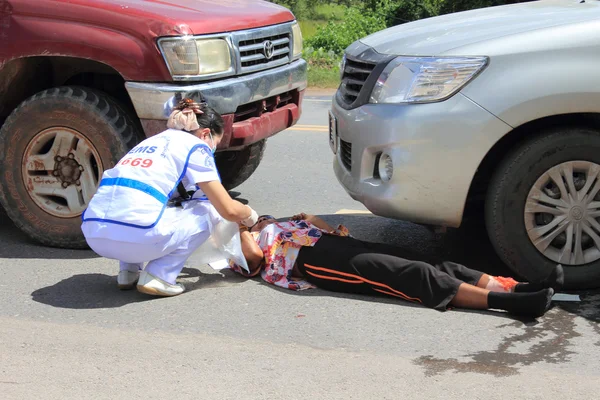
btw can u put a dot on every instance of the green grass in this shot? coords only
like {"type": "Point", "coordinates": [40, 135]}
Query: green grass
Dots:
{"type": "Point", "coordinates": [321, 75]}
{"type": "Point", "coordinates": [309, 28]}
{"type": "Point", "coordinates": [323, 78]}
{"type": "Point", "coordinates": [325, 12]}
{"type": "Point", "coordinates": [320, 15]}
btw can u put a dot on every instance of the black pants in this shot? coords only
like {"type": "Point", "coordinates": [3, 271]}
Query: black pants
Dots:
{"type": "Point", "coordinates": [345, 264]}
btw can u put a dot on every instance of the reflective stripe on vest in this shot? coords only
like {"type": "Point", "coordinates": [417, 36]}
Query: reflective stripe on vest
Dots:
{"type": "Point", "coordinates": [134, 184]}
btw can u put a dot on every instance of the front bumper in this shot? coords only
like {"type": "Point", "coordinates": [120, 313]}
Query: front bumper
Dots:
{"type": "Point", "coordinates": [435, 148]}
{"type": "Point", "coordinates": [228, 96]}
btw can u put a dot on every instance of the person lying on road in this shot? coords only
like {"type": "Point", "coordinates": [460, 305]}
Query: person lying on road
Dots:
{"type": "Point", "coordinates": [128, 219]}
{"type": "Point", "coordinates": [306, 252]}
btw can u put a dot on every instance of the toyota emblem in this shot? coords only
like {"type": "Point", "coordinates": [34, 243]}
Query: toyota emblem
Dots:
{"type": "Point", "coordinates": [268, 49]}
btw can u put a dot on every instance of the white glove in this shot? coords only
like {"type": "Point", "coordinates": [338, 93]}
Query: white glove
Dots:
{"type": "Point", "coordinates": [252, 219]}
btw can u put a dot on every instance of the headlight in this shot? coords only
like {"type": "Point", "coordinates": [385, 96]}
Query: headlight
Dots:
{"type": "Point", "coordinates": [342, 66]}
{"type": "Point", "coordinates": [187, 56]}
{"type": "Point", "coordinates": [425, 79]}
{"type": "Point", "coordinates": [297, 40]}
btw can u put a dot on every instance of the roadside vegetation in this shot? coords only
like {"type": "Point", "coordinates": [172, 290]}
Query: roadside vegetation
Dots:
{"type": "Point", "coordinates": [329, 26]}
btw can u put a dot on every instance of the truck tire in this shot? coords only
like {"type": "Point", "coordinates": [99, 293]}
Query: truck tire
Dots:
{"type": "Point", "coordinates": [56, 146]}
{"type": "Point", "coordinates": [235, 167]}
{"type": "Point", "coordinates": [543, 207]}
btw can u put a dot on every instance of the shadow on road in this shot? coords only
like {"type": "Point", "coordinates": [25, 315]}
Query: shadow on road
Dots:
{"type": "Point", "coordinates": [194, 279]}
{"type": "Point", "coordinates": [15, 244]}
{"type": "Point", "coordinates": [588, 307]}
{"type": "Point", "coordinates": [93, 291]}
{"type": "Point", "coordinates": [236, 195]}
{"type": "Point", "coordinates": [87, 291]}
{"type": "Point", "coordinates": [467, 246]}
{"type": "Point", "coordinates": [382, 299]}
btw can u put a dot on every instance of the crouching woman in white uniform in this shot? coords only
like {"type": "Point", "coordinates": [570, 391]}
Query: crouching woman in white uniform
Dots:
{"type": "Point", "coordinates": [128, 219]}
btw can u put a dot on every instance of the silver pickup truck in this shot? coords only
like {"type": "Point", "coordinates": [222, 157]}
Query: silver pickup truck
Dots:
{"type": "Point", "coordinates": [497, 107]}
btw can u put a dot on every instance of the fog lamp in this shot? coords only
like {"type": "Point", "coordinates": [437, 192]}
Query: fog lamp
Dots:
{"type": "Point", "coordinates": [386, 167]}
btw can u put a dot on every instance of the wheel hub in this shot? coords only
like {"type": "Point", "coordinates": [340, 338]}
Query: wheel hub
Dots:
{"type": "Point", "coordinates": [576, 213]}
{"type": "Point", "coordinates": [562, 213]}
{"type": "Point", "coordinates": [61, 169]}
{"type": "Point", "coordinates": [68, 170]}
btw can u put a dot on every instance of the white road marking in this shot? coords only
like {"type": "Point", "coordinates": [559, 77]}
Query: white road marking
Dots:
{"type": "Point", "coordinates": [347, 211]}
{"type": "Point", "coordinates": [309, 128]}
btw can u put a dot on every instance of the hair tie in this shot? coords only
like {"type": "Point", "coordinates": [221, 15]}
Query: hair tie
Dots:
{"type": "Point", "coordinates": [184, 120]}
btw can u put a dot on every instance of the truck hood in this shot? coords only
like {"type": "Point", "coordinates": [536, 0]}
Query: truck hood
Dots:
{"type": "Point", "coordinates": [438, 35]}
{"type": "Point", "coordinates": [173, 17]}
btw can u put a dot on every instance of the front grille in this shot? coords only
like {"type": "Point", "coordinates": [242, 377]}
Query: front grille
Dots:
{"type": "Point", "coordinates": [346, 154]}
{"type": "Point", "coordinates": [263, 48]}
{"type": "Point", "coordinates": [252, 52]}
{"type": "Point", "coordinates": [355, 75]}
{"type": "Point", "coordinates": [362, 68]}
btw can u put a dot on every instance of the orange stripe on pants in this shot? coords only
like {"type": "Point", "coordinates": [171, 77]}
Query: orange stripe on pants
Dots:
{"type": "Point", "coordinates": [331, 278]}
{"type": "Point", "coordinates": [331, 271]}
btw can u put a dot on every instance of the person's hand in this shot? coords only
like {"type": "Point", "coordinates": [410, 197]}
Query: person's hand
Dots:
{"type": "Point", "coordinates": [242, 228]}
{"type": "Point", "coordinates": [251, 219]}
{"type": "Point", "coordinates": [299, 217]}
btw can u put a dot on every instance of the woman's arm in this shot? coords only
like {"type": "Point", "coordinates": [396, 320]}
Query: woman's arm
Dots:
{"type": "Point", "coordinates": [252, 252]}
{"type": "Point", "coordinates": [341, 230]}
{"type": "Point", "coordinates": [231, 210]}
{"type": "Point", "coordinates": [316, 221]}
{"type": "Point", "coordinates": [319, 223]}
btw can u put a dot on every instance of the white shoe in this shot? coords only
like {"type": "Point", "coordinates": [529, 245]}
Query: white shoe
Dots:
{"type": "Point", "coordinates": [127, 279]}
{"type": "Point", "coordinates": [155, 286]}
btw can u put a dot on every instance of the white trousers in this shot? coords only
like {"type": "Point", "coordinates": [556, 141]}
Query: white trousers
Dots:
{"type": "Point", "coordinates": [165, 260]}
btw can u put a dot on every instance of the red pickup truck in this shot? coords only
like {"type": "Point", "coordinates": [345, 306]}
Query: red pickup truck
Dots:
{"type": "Point", "coordinates": [83, 81]}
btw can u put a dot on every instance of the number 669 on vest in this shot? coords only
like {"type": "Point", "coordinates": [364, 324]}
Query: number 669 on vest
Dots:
{"type": "Point", "coordinates": [136, 162]}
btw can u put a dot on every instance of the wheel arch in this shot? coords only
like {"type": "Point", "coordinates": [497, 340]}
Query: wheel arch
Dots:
{"type": "Point", "coordinates": [23, 77]}
{"type": "Point", "coordinates": [479, 185]}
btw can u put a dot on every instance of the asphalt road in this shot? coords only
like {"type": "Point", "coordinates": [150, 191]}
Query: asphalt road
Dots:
{"type": "Point", "coordinates": [66, 332]}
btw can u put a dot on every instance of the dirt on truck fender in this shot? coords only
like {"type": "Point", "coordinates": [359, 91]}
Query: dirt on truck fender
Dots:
{"type": "Point", "coordinates": [83, 81]}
